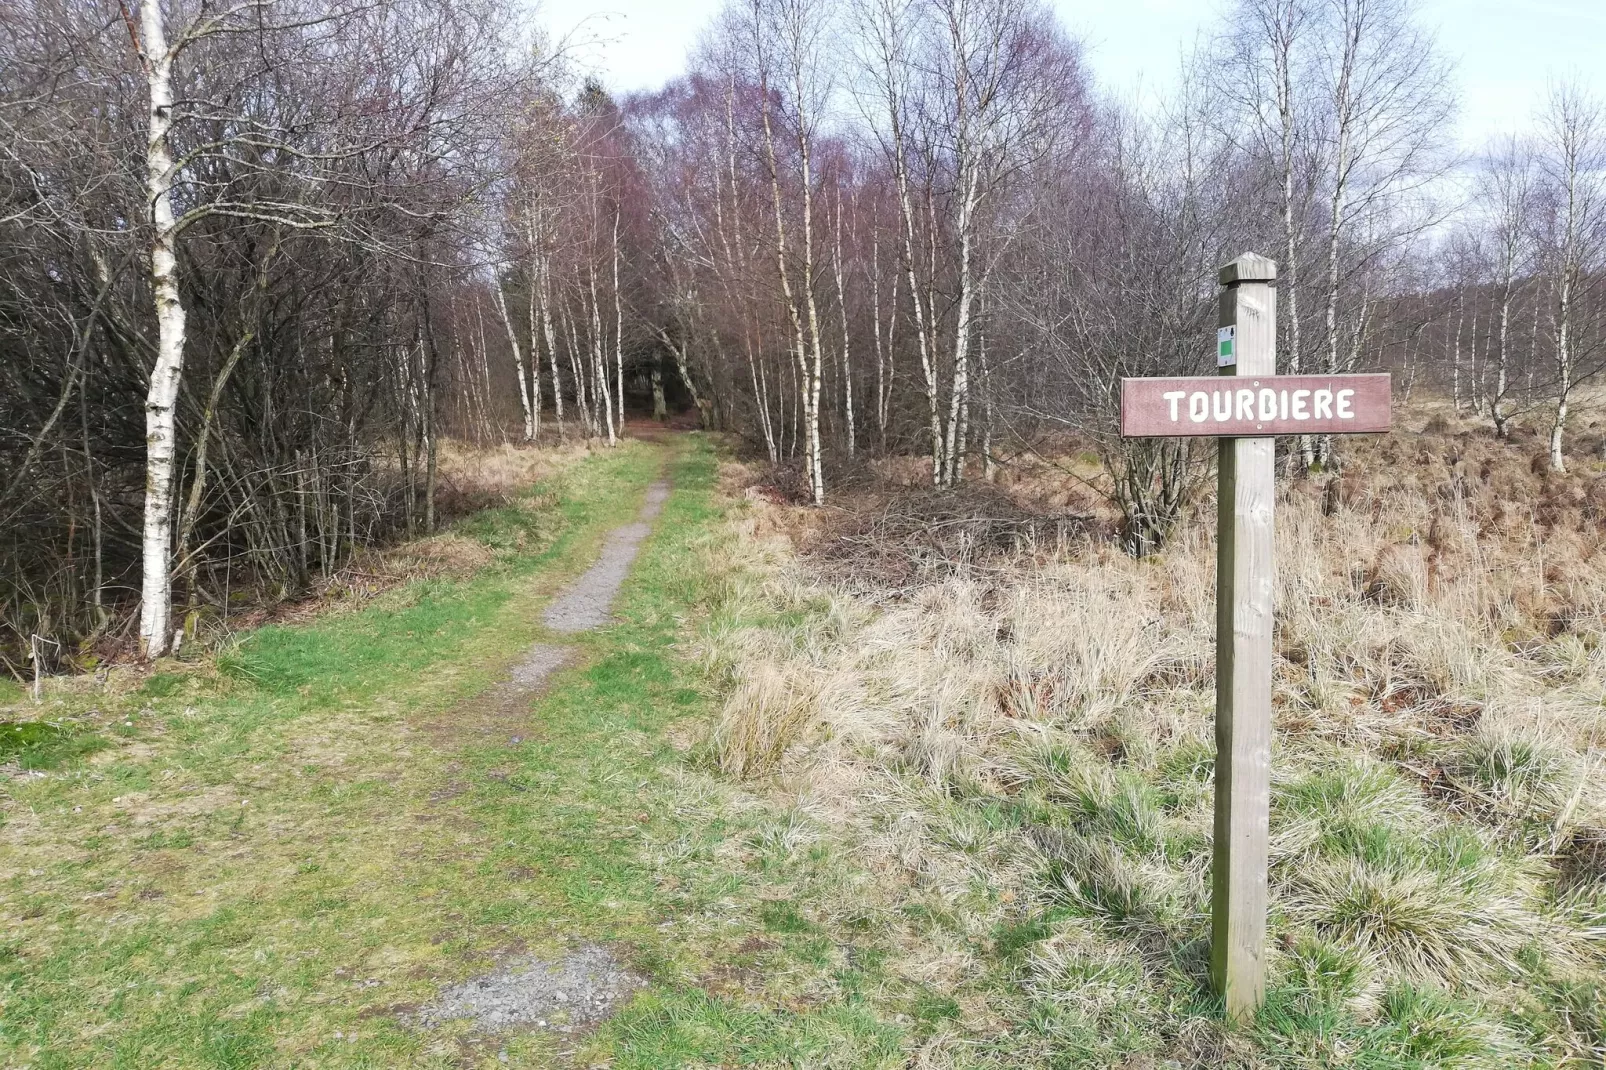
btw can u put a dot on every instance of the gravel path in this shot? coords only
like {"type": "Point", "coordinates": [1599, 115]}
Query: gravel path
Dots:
{"type": "Point", "coordinates": [539, 662]}
{"type": "Point", "coordinates": [580, 989]}
{"type": "Point", "coordinates": [589, 600]}
{"type": "Point", "coordinates": [588, 984]}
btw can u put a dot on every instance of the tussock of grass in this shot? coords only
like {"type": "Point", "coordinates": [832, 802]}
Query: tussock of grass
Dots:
{"type": "Point", "coordinates": [1437, 868]}
{"type": "Point", "coordinates": [36, 745]}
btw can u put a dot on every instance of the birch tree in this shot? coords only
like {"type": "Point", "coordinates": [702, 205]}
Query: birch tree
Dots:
{"type": "Point", "coordinates": [1270, 84]}
{"type": "Point", "coordinates": [1506, 190]}
{"type": "Point", "coordinates": [787, 38]}
{"type": "Point", "coordinates": [156, 598]}
{"type": "Point", "coordinates": [1386, 103]}
{"type": "Point", "coordinates": [1573, 128]}
{"type": "Point", "coordinates": [159, 52]}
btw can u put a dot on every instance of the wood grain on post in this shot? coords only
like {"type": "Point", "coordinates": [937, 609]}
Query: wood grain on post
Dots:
{"type": "Point", "coordinates": [1245, 582]}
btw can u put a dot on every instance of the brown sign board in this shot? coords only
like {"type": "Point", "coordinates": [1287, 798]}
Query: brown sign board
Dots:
{"type": "Point", "coordinates": [1246, 406]}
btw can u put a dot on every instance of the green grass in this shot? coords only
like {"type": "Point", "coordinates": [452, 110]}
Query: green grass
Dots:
{"type": "Point", "coordinates": [40, 745]}
{"type": "Point", "coordinates": [273, 858]}
{"type": "Point", "coordinates": [304, 841]}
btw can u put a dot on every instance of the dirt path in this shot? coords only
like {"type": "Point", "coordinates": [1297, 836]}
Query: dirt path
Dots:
{"type": "Point", "coordinates": [588, 601]}
{"type": "Point", "coordinates": [587, 984]}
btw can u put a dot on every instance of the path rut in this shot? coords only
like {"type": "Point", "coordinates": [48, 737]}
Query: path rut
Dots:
{"type": "Point", "coordinates": [588, 602]}
{"type": "Point", "coordinates": [587, 984]}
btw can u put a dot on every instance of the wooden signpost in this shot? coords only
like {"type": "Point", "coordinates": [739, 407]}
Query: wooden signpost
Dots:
{"type": "Point", "coordinates": [1244, 407]}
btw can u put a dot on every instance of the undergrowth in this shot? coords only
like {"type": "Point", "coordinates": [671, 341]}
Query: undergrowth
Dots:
{"type": "Point", "coordinates": [1011, 762]}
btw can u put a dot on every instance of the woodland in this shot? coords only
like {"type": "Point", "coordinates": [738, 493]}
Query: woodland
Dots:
{"type": "Point", "coordinates": [500, 572]}
{"type": "Point", "coordinates": [260, 259]}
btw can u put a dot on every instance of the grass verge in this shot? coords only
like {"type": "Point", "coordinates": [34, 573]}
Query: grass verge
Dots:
{"type": "Point", "coordinates": [263, 858]}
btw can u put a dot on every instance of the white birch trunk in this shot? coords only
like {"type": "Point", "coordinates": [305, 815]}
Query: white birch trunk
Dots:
{"type": "Point", "coordinates": [533, 314]}
{"type": "Point", "coordinates": [543, 280]}
{"type": "Point", "coordinates": [1503, 358]}
{"type": "Point", "coordinates": [161, 400]}
{"type": "Point", "coordinates": [618, 329]}
{"type": "Point", "coordinates": [518, 363]}
{"type": "Point", "coordinates": [953, 468]}
{"type": "Point", "coordinates": [799, 343]}
{"type": "Point", "coordinates": [814, 372]}
{"type": "Point", "coordinates": [875, 333]}
{"type": "Point", "coordinates": [601, 395]}
{"type": "Point", "coordinates": [842, 301]}
{"type": "Point", "coordinates": [588, 424]}
{"type": "Point", "coordinates": [1455, 352]}
{"type": "Point", "coordinates": [1564, 369]}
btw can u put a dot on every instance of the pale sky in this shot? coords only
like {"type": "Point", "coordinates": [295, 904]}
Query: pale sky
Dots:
{"type": "Point", "coordinates": [1504, 50]}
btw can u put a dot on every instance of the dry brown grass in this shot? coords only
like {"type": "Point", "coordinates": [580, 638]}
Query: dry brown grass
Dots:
{"type": "Point", "coordinates": [502, 471]}
{"type": "Point", "coordinates": [1440, 708]}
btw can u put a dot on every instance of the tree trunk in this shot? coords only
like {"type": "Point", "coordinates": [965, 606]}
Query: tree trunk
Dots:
{"type": "Point", "coordinates": [518, 363]}
{"type": "Point", "coordinates": [806, 395]}
{"type": "Point", "coordinates": [1502, 361]}
{"type": "Point", "coordinates": [953, 467]}
{"type": "Point", "coordinates": [161, 400]}
{"type": "Point", "coordinates": [1455, 352]}
{"type": "Point", "coordinates": [1564, 369]}
{"type": "Point", "coordinates": [660, 408]}
{"type": "Point", "coordinates": [601, 396]}
{"type": "Point", "coordinates": [618, 328]}
{"type": "Point", "coordinates": [842, 302]}
{"type": "Point", "coordinates": [533, 314]}
{"type": "Point", "coordinates": [545, 283]}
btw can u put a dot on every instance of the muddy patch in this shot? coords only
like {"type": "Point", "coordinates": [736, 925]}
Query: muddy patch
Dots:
{"type": "Point", "coordinates": [588, 601]}
{"type": "Point", "coordinates": [565, 995]}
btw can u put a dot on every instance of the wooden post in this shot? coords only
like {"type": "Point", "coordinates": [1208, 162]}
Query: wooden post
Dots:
{"type": "Point", "coordinates": [1244, 417]}
{"type": "Point", "coordinates": [1245, 583]}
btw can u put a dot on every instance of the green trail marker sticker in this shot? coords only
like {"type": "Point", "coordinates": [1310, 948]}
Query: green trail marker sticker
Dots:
{"type": "Point", "coordinates": [1226, 354]}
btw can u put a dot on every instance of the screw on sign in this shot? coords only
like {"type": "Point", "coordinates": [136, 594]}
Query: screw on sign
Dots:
{"type": "Point", "coordinates": [1244, 407]}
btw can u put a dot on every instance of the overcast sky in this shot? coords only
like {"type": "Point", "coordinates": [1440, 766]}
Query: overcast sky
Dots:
{"type": "Point", "coordinates": [1504, 50]}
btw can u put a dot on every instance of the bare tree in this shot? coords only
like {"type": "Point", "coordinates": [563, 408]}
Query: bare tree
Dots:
{"type": "Point", "coordinates": [1573, 127]}
{"type": "Point", "coordinates": [1271, 85]}
{"type": "Point", "coordinates": [1386, 101]}
{"type": "Point", "coordinates": [1506, 190]}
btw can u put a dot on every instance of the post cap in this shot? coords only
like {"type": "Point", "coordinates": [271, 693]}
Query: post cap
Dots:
{"type": "Point", "coordinates": [1251, 267]}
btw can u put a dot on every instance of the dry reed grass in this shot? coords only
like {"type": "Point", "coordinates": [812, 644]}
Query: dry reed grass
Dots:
{"type": "Point", "coordinates": [502, 471]}
{"type": "Point", "coordinates": [1439, 817]}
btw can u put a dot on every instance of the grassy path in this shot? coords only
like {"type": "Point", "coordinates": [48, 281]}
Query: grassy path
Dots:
{"type": "Point", "coordinates": [280, 855]}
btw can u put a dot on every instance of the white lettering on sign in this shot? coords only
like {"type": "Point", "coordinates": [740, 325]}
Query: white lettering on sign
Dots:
{"type": "Point", "coordinates": [1222, 406]}
{"type": "Point", "coordinates": [1263, 405]}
